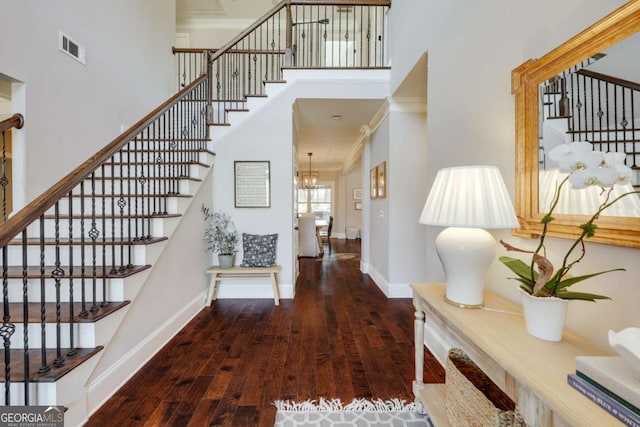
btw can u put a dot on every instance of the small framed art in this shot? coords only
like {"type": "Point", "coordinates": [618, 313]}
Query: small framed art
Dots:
{"type": "Point", "coordinates": [373, 182]}
{"type": "Point", "coordinates": [252, 184]}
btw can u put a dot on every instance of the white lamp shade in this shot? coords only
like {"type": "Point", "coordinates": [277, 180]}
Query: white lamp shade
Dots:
{"type": "Point", "coordinates": [469, 196]}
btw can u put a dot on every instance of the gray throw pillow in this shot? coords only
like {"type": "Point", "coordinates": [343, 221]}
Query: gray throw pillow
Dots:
{"type": "Point", "coordinates": [259, 250]}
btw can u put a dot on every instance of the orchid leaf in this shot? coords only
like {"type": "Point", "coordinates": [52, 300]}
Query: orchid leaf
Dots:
{"type": "Point", "coordinates": [584, 296]}
{"type": "Point", "coordinates": [573, 280]}
{"type": "Point", "coordinates": [520, 268]}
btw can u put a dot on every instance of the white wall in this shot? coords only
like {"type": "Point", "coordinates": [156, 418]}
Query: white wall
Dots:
{"type": "Point", "coordinates": [72, 110]}
{"type": "Point", "coordinates": [267, 135]}
{"type": "Point", "coordinates": [471, 52]}
{"type": "Point", "coordinates": [378, 230]}
{"type": "Point", "coordinates": [405, 173]}
{"type": "Point", "coordinates": [352, 217]}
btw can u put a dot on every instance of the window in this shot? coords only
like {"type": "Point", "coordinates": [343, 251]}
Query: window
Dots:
{"type": "Point", "coordinates": [317, 200]}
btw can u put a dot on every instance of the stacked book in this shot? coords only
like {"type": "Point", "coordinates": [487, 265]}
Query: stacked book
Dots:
{"type": "Point", "coordinates": [610, 383]}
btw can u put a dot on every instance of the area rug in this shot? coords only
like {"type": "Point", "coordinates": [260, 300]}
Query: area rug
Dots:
{"type": "Point", "coordinates": [359, 413]}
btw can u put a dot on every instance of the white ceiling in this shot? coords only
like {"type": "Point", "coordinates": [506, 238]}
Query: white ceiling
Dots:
{"type": "Point", "coordinates": [331, 141]}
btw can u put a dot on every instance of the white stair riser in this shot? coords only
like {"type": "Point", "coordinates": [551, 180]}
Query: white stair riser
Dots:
{"type": "Point", "coordinates": [131, 186]}
{"type": "Point", "coordinates": [85, 335]}
{"type": "Point", "coordinates": [119, 226]}
{"type": "Point", "coordinates": [138, 204]}
{"type": "Point", "coordinates": [272, 89]}
{"type": "Point", "coordinates": [131, 157]}
{"type": "Point", "coordinates": [111, 171]}
{"type": "Point", "coordinates": [67, 389]}
{"type": "Point", "coordinates": [255, 102]}
{"type": "Point", "coordinates": [114, 287]}
{"type": "Point", "coordinates": [234, 118]}
{"type": "Point", "coordinates": [138, 256]}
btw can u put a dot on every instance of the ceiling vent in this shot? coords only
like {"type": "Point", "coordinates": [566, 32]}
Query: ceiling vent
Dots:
{"type": "Point", "coordinates": [72, 48]}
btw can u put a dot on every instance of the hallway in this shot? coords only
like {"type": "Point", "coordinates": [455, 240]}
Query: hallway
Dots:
{"type": "Point", "coordinates": [341, 338]}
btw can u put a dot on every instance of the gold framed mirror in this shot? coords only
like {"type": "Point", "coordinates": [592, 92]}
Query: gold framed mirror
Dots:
{"type": "Point", "coordinates": [526, 86]}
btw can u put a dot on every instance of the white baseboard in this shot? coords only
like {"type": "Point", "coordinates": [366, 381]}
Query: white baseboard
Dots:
{"type": "Point", "coordinates": [391, 290]}
{"type": "Point", "coordinates": [104, 386]}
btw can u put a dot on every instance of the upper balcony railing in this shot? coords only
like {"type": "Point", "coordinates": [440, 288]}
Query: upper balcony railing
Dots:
{"type": "Point", "coordinates": [294, 34]}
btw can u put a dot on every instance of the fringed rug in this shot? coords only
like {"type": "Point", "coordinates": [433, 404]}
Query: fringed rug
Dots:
{"type": "Point", "coordinates": [360, 413]}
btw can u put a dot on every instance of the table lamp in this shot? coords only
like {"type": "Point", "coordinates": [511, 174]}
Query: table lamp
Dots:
{"type": "Point", "coordinates": [467, 199]}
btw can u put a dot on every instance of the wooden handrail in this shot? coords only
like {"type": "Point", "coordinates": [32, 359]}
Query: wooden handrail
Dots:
{"type": "Point", "coordinates": [341, 3]}
{"type": "Point", "coordinates": [249, 30]}
{"type": "Point", "coordinates": [48, 198]}
{"type": "Point", "coordinates": [252, 51]}
{"type": "Point", "coordinates": [288, 3]}
{"type": "Point", "coordinates": [610, 79]}
{"type": "Point", "coordinates": [15, 121]}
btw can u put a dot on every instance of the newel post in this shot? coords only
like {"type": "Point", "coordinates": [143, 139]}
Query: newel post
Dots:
{"type": "Point", "coordinates": [289, 31]}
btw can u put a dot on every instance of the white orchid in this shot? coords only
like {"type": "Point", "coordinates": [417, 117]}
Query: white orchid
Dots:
{"type": "Point", "coordinates": [585, 167]}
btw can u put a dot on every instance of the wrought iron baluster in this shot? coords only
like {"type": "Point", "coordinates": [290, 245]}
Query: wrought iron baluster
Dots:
{"type": "Point", "coordinates": [83, 264]}
{"type": "Point", "coordinates": [4, 181]}
{"type": "Point", "coordinates": [44, 366]}
{"type": "Point", "coordinates": [57, 274]}
{"type": "Point", "coordinates": [7, 329]}
{"type": "Point", "coordinates": [130, 213]}
{"type": "Point", "coordinates": [93, 235]}
{"type": "Point", "coordinates": [72, 346]}
{"type": "Point", "coordinates": [122, 203]}
{"type": "Point", "coordinates": [25, 318]}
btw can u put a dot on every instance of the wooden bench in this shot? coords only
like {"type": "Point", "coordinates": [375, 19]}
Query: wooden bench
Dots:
{"type": "Point", "coordinates": [239, 273]}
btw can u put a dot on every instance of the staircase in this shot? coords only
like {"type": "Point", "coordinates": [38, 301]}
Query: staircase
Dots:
{"type": "Point", "coordinates": [75, 258]}
{"type": "Point", "coordinates": [583, 105]}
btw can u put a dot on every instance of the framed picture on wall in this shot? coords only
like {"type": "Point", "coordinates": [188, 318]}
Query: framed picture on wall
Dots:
{"type": "Point", "coordinates": [373, 182]}
{"type": "Point", "coordinates": [252, 184]}
{"type": "Point", "coordinates": [358, 206]}
{"type": "Point", "coordinates": [382, 180]}
{"type": "Point", "coordinates": [357, 194]}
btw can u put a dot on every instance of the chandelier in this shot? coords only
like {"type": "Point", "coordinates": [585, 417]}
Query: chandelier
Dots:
{"type": "Point", "coordinates": [309, 178]}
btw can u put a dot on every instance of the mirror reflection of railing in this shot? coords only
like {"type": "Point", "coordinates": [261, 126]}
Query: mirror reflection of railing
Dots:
{"type": "Point", "coordinates": [618, 26]}
{"type": "Point", "coordinates": [294, 34]}
{"type": "Point", "coordinates": [600, 109]}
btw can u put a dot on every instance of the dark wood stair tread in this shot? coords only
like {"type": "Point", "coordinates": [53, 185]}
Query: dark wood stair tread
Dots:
{"type": "Point", "coordinates": [35, 241]}
{"type": "Point", "coordinates": [134, 195]}
{"type": "Point", "coordinates": [171, 140]}
{"type": "Point", "coordinates": [35, 360]}
{"type": "Point", "coordinates": [33, 271]}
{"type": "Point", "coordinates": [15, 311]}
{"type": "Point", "coordinates": [157, 164]}
{"type": "Point", "coordinates": [136, 178]}
{"type": "Point", "coordinates": [115, 217]}
{"type": "Point", "coordinates": [558, 117]}
{"type": "Point", "coordinates": [274, 81]}
{"type": "Point", "coordinates": [605, 131]}
{"type": "Point", "coordinates": [237, 110]}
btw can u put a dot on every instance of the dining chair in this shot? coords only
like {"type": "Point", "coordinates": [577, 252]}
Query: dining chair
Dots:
{"type": "Point", "coordinates": [325, 235]}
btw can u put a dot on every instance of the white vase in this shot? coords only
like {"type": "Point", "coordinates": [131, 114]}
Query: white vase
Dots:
{"type": "Point", "coordinates": [226, 261]}
{"type": "Point", "coordinates": [544, 316]}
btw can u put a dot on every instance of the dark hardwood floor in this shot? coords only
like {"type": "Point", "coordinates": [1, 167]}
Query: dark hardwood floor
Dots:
{"type": "Point", "coordinates": [339, 338]}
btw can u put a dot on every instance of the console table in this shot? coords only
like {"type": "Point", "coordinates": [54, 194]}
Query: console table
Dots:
{"type": "Point", "coordinates": [531, 371]}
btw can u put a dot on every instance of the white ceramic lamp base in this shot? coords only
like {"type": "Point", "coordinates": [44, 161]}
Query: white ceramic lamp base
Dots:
{"type": "Point", "coordinates": [466, 254]}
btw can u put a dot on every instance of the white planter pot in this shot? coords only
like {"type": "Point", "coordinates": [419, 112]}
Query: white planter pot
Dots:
{"type": "Point", "coordinates": [544, 317]}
